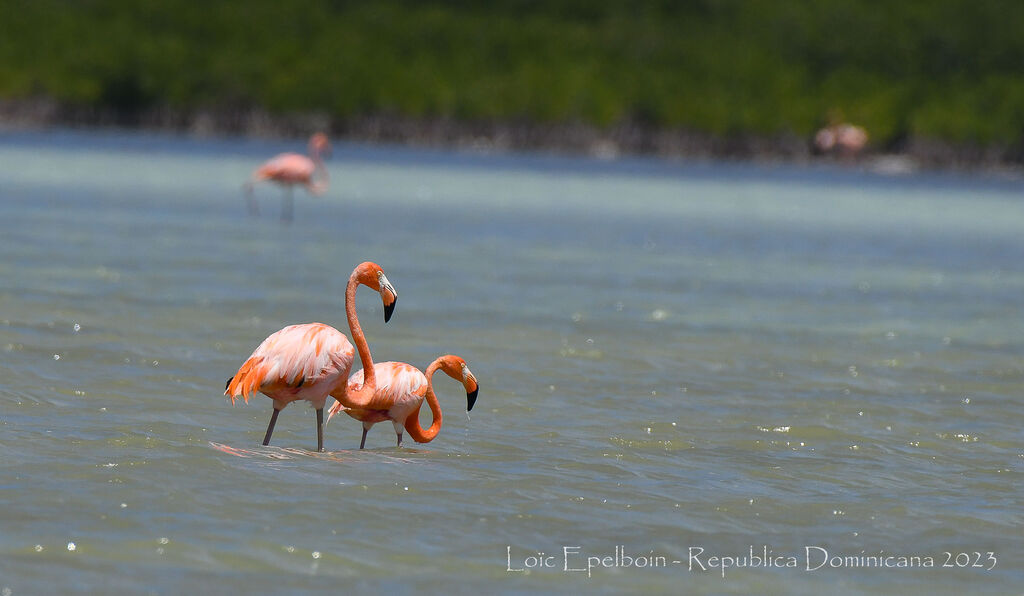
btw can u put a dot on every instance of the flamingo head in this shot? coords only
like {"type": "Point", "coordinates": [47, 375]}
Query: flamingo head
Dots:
{"type": "Point", "coordinates": [456, 368]}
{"type": "Point", "coordinates": [370, 274]}
{"type": "Point", "coordinates": [319, 145]}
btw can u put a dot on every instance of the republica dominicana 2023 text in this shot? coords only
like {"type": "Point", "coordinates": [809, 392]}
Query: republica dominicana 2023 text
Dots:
{"type": "Point", "coordinates": [810, 558]}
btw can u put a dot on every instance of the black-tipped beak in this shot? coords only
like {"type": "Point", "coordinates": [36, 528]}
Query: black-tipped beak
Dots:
{"type": "Point", "coordinates": [471, 399]}
{"type": "Point", "coordinates": [389, 308]}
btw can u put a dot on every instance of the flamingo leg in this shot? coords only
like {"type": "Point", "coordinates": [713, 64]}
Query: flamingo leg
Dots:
{"type": "Point", "coordinates": [270, 427]}
{"type": "Point", "coordinates": [362, 443]}
{"type": "Point", "coordinates": [250, 201]}
{"type": "Point", "coordinates": [320, 430]}
{"type": "Point", "coordinates": [399, 439]}
{"type": "Point", "coordinates": [288, 205]}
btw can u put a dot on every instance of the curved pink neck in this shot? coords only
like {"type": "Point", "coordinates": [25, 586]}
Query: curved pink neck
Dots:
{"type": "Point", "coordinates": [359, 398]}
{"type": "Point", "coordinates": [412, 423]}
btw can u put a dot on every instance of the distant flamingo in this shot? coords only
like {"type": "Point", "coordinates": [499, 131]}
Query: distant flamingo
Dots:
{"type": "Point", "coordinates": [401, 389]}
{"type": "Point", "coordinates": [289, 169]}
{"type": "Point", "coordinates": [845, 139]}
{"type": "Point", "coordinates": [311, 361]}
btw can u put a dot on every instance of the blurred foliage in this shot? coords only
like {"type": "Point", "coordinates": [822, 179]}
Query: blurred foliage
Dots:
{"type": "Point", "coordinates": [950, 69]}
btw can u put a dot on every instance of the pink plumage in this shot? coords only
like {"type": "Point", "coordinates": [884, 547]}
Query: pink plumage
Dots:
{"type": "Point", "coordinates": [298, 363]}
{"type": "Point", "coordinates": [288, 168]}
{"type": "Point", "coordinates": [400, 392]}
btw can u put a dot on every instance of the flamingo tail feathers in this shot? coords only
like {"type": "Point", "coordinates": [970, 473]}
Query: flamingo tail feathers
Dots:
{"type": "Point", "coordinates": [247, 380]}
{"type": "Point", "coordinates": [336, 407]}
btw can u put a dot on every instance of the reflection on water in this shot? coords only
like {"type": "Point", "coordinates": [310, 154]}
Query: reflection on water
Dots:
{"type": "Point", "coordinates": [701, 355]}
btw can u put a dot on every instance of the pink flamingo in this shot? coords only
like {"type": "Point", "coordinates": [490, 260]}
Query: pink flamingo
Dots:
{"type": "Point", "coordinates": [289, 169]}
{"type": "Point", "coordinates": [400, 391]}
{"type": "Point", "coordinates": [311, 361]}
{"type": "Point", "coordinates": [845, 139]}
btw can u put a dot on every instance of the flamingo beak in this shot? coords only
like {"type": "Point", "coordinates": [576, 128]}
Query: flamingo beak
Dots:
{"type": "Point", "coordinates": [390, 299]}
{"type": "Point", "coordinates": [388, 296]}
{"type": "Point", "coordinates": [472, 390]}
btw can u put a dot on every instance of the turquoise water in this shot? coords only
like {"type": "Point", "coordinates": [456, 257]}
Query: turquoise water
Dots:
{"type": "Point", "coordinates": [672, 357]}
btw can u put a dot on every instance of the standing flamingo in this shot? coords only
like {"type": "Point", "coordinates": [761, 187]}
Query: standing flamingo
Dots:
{"type": "Point", "coordinates": [311, 361]}
{"type": "Point", "coordinates": [289, 169]}
{"type": "Point", "coordinates": [400, 391]}
{"type": "Point", "coordinates": [846, 140]}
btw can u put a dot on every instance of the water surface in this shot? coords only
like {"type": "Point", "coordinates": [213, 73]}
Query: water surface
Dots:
{"type": "Point", "coordinates": [700, 355]}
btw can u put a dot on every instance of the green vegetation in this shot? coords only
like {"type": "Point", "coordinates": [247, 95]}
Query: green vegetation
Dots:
{"type": "Point", "coordinates": [947, 69]}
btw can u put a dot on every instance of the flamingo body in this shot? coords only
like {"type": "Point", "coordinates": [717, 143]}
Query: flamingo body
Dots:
{"type": "Point", "coordinates": [289, 168]}
{"type": "Point", "coordinates": [298, 363]}
{"type": "Point", "coordinates": [399, 385]}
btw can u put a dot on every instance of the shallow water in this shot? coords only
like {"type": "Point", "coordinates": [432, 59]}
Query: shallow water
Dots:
{"type": "Point", "coordinates": [671, 357]}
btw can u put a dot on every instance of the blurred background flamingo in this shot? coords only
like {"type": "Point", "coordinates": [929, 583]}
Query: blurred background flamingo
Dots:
{"type": "Point", "coordinates": [846, 140]}
{"type": "Point", "coordinates": [289, 169]}
{"type": "Point", "coordinates": [311, 361]}
{"type": "Point", "coordinates": [400, 391]}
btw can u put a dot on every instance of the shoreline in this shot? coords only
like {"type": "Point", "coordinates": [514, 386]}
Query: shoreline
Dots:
{"type": "Point", "coordinates": [497, 136]}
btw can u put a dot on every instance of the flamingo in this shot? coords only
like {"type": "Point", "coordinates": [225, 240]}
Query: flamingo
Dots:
{"type": "Point", "coordinates": [311, 361]}
{"type": "Point", "coordinates": [289, 169]}
{"type": "Point", "coordinates": [400, 391]}
{"type": "Point", "coordinates": [847, 140]}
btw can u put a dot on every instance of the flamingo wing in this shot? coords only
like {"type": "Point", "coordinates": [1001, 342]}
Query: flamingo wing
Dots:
{"type": "Point", "coordinates": [295, 356]}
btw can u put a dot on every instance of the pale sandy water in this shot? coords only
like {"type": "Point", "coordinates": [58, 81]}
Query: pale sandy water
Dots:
{"type": "Point", "coordinates": [671, 357]}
